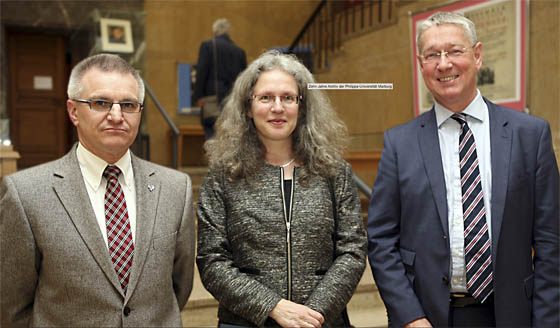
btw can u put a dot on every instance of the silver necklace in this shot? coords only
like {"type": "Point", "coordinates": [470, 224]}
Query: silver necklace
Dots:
{"type": "Point", "coordinates": [287, 164]}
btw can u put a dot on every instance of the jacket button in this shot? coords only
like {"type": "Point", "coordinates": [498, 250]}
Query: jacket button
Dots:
{"type": "Point", "coordinates": [126, 311]}
{"type": "Point", "coordinates": [445, 280]}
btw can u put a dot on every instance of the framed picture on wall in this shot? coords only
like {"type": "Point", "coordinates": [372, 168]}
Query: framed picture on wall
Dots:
{"type": "Point", "coordinates": [116, 35]}
{"type": "Point", "coordinates": [501, 28]}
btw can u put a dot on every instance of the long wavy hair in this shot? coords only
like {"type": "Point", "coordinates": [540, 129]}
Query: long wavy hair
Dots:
{"type": "Point", "coordinates": [318, 141]}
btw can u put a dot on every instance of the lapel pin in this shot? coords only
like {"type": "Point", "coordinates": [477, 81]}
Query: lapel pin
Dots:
{"type": "Point", "coordinates": [151, 187]}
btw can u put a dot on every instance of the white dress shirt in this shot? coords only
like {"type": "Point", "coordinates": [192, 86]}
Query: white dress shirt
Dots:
{"type": "Point", "coordinates": [448, 133]}
{"type": "Point", "coordinates": [92, 168]}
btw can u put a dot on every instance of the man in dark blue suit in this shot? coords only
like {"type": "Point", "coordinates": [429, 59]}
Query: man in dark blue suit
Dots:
{"type": "Point", "coordinates": [463, 224]}
{"type": "Point", "coordinates": [230, 61]}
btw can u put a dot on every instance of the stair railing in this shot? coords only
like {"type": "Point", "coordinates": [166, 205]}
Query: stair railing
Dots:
{"type": "Point", "coordinates": [170, 123]}
{"type": "Point", "coordinates": [323, 33]}
{"type": "Point", "coordinates": [332, 22]}
{"type": "Point", "coordinates": [362, 186]}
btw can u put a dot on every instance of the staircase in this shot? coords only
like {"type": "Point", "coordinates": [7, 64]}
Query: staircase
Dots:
{"type": "Point", "coordinates": [365, 309]}
{"type": "Point", "coordinates": [334, 22]}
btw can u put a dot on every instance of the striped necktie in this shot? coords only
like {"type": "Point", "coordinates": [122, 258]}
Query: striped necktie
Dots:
{"type": "Point", "coordinates": [119, 233]}
{"type": "Point", "coordinates": [478, 254]}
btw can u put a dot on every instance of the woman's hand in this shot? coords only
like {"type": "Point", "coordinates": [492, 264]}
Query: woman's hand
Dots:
{"type": "Point", "coordinates": [290, 314]}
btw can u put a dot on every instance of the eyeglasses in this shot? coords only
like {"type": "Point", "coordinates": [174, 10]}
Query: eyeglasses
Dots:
{"type": "Point", "coordinates": [286, 100]}
{"type": "Point", "coordinates": [434, 57]}
{"type": "Point", "coordinates": [100, 105]}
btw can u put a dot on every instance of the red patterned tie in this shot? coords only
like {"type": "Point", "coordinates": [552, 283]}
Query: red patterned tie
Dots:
{"type": "Point", "coordinates": [119, 234]}
{"type": "Point", "coordinates": [478, 255]}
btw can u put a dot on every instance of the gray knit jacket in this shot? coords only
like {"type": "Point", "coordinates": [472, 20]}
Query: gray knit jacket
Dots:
{"type": "Point", "coordinates": [246, 259]}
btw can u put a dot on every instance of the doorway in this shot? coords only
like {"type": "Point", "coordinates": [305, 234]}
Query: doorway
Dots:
{"type": "Point", "coordinates": [37, 79]}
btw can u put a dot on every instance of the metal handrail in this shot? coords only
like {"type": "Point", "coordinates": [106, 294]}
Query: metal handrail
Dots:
{"type": "Point", "coordinates": [362, 186]}
{"type": "Point", "coordinates": [169, 122]}
{"type": "Point", "coordinates": [306, 26]}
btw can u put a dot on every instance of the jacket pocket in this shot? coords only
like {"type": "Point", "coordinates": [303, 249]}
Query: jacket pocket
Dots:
{"type": "Point", "coordinates": [528, 284]}
{"type": "Point", "coordinates": [164, 242]}
{"type": "Point", "coordinates": [252, 271]}
{"type": "Point", "coordinates": [408, 258]}
{"type": "Point", "coordinates": [518, 181]}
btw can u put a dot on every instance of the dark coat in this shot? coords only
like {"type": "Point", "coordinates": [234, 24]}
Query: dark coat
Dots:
{"type": "Point", "coordinates": [231, 61]}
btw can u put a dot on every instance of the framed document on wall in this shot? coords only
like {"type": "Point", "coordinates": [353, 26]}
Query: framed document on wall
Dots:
{"type": "Point", "coordinates": [501, 28]}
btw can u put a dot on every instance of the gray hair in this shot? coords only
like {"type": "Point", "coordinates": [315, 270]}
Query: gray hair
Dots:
{"type": "Point", "coordinates": [104, 63]}
{"type": "Point", "coordinates": [447, 17]}
{"type": "Point", "coordinates": [221, 26]}
{"type": "Point", "coordinates": [318, 141]}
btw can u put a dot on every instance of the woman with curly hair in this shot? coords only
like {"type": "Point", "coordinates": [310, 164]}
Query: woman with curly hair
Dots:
{"type": "Point", "coordinates": [280, 233]}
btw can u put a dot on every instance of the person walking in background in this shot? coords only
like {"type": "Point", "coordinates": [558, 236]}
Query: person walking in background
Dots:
{"type": "Point", "coordinates": [98, 237]}
{"type": "Point", "coordinates": [280, 234]}
{"type": "Point", "coordinates": [464, 193]}
{"type": "Point", "coordinates": [221, 58]}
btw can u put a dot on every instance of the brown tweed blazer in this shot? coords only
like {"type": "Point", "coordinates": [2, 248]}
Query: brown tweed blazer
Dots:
{"type": "Point", "coordinates": [55, 266]}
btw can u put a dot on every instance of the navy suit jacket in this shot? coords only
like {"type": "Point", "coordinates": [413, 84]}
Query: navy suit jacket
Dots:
{"type": "Point", "coordinates": [408, 233]}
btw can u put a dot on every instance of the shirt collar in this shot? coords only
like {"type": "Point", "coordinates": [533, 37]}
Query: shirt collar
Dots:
{"type": "Point", "coordinates": [92, 167]}
{"type": "Point", "coordinates": [475, 110]}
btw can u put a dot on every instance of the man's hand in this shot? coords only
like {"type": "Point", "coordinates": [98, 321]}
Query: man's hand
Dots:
{"type": "Point", "coordinates": [422, 322]}
{"type": "Point", "coordinates": [200, 102]}
{"type": "Point", "coordinates": [290, 314]}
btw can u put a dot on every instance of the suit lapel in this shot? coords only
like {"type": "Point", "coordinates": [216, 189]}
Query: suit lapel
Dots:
{"type": "Point", "coordinates": [147, 188]}
{"type": "Point", "coordinates": [429, 147]}
{"type": "Point", "coordinates": [73, 195]}
{"type": "Point", "coordinates": [500, 141]}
